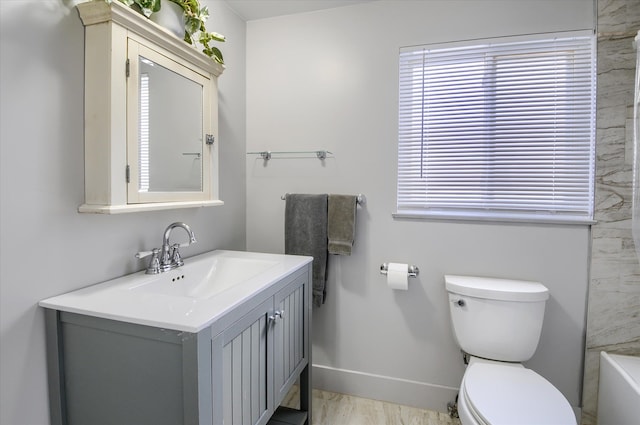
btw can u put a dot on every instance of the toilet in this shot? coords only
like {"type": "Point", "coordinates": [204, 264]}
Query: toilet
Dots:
{"type": "Point", "coordinates": [497, 324]}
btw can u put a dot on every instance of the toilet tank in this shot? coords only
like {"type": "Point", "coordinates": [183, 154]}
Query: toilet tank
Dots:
{"type": "Point", "coordinates": [497, 319]}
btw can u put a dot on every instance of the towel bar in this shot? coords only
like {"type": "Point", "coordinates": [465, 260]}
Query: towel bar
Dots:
{"type": "Point", "coordinates": [360, 198]}
{"type": "Point", "coordinates": [413, 270]}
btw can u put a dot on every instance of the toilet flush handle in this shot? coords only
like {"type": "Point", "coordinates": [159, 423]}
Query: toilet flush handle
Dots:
{"type": "Point", "coordinates": [459, 303]}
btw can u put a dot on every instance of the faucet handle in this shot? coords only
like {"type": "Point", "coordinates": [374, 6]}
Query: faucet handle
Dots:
{"type": "Point", "coordinates": [154, 262]}
{"type": "Point", "coordinates": [176, 259]}
{"type": "Point", "coordinates": [183, 244]}
{"type": "Point", "coordinates": [143, 254]}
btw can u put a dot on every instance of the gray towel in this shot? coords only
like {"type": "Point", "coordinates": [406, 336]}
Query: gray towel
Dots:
{"type": "Point", "coordinates": [342, 223]}
{"type": "Point", "coordinates": [305, 233]}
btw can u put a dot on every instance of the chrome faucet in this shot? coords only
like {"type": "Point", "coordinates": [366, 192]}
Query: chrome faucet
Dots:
{"type": "Point", "coordinates": [168, 257]}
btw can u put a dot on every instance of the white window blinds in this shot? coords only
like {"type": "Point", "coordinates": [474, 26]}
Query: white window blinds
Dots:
{"type": "Point", "coordinates": [143, 134]}
{"type": "Point", "coordinates": [498, 130]}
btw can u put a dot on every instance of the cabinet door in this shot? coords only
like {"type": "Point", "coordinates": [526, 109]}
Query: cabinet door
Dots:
{"type": "Point", "coordinates": [246, 368]}
{"type": "Point", "coordinates": [289, 330]}
{"type": "Point", "coordinates": [167, 153]}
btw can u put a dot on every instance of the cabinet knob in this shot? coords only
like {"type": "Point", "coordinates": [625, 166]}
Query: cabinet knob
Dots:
{"type": "Point", "coordinates": [276, 315]}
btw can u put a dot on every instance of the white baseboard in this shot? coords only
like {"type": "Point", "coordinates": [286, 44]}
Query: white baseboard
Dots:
{"type": "Point", "coordinates": [377, 387]}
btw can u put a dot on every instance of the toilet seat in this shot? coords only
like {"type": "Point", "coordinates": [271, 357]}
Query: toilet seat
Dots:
{"type": "Point", "coordinates": [505, 395]}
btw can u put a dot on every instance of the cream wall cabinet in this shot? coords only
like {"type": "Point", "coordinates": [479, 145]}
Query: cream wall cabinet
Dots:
{"type": "Point", "coordinates": [119, 42]}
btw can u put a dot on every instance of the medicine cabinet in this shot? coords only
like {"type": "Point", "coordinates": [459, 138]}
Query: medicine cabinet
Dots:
{"type": "Point", "coordinates": [151, 115]}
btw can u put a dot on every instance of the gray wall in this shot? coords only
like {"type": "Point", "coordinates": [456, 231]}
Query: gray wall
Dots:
{"type": "Point", "coordinates": [613, 324]}
{"type": "Point", "coordinates": [47, 247]}
{"type": "Point", "coordinates": [328, 80]}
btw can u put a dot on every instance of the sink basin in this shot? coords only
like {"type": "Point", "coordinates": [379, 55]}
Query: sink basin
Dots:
{"type": "Point", "coordinates": [188, 298]}
{"type": "Point", "coordinates": [204, 279]}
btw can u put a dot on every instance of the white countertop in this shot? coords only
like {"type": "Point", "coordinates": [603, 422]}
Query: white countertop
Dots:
{"type": "Point", "coordinates": [135, 298]}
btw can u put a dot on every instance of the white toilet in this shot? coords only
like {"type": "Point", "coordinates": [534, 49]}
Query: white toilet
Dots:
{"type": "Point", "coordinates": [497, 323]}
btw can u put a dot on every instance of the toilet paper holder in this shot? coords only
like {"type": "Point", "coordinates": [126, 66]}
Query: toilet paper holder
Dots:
{"type": "Point", "coordinates": [412, 272]}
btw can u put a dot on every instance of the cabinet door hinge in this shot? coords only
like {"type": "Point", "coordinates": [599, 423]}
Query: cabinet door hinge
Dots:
{"type": "Point", "coordinates": [127, 68]}
{"type": "Point", "coordinates": [128, 174]}
{"type": "Point", "coordinates": [210, 139]}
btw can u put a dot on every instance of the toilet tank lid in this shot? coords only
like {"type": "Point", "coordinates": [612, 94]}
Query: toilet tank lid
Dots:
{"type": "Point", "coordinates": [496, 289]}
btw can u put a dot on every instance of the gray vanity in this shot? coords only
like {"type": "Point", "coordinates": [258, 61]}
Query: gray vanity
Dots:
{"type": "Point", "coordinates": [218, 341]}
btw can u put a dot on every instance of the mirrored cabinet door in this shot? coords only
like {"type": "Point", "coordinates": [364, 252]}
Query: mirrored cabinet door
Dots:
{"type": "Point", "coordinates": [168, 119]}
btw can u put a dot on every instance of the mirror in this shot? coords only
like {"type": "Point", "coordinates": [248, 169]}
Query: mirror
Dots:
{"type": "Point", "coordinates": [169, 117]}
{"type": "Point", "coordinates": [170, 130]}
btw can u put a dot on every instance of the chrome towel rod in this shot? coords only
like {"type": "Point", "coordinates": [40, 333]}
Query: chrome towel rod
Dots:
{"type": "Point", "coordinates": [360, 198]}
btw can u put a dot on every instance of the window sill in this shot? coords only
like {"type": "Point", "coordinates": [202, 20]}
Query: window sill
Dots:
{"type": "Point", "coordinates": [495, 219]}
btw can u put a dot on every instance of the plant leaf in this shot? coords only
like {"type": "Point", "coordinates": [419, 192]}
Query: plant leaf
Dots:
{"type": "Point", "coordinates": [218, 37]}
{"type": "Point", "coordinates": [217, 55]}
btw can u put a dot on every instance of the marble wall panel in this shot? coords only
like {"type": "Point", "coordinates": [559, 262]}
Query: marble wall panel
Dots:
{"type": "Point", "coordinates": [618, 15]}
{"type": "Point", "coordinates": [613, 316]}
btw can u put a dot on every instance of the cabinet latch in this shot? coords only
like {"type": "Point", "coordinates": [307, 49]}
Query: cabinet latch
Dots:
{"type": "Point", "coordinates": [210, 139]}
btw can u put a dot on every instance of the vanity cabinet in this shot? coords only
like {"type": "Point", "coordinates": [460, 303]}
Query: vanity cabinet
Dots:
{"type": "Point", "coordinates": [289, 338]}
{"type": "Point", "coordinates": [236, 371]}
{"type": "Point", "coordinates": [246, 367]}
{"type": "Point", "coordinates": [151, 115]}
{"type": "Point", "coordinates": [252, 383]}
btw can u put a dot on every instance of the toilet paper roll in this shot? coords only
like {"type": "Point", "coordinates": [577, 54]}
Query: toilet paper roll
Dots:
{"type": "Point", "coordinates": [398, 276]}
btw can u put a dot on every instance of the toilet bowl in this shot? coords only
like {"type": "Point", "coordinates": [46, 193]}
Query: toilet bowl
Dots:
{"type": "Point", "coordinates": [497, 323]}
{"type": "Point", "coordinates": [507, 393]}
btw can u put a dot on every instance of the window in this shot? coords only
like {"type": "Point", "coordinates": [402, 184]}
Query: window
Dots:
{"type": "Point", "coordinates": [498, 130]}
{"type": "Point", "coordinates": [143, 133]}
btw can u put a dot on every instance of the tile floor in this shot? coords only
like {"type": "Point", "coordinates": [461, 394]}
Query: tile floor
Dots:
{"type": "Point", "coordinates": [340, 409]}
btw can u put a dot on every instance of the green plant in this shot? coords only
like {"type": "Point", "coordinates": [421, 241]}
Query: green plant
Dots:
{"type": "Point", "coordinates": [195, 29]}
{"type": "Point", "coordinates": [146, 7]}
{"type": "Point", "coordinates": [195, 17]}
